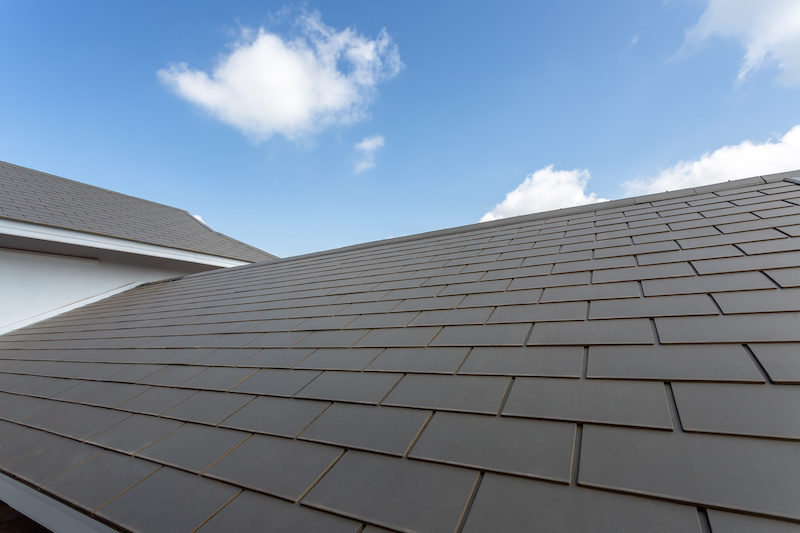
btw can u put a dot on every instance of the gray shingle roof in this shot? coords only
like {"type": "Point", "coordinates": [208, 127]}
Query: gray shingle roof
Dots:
{"type": "Point", "coordinates": [31, 196]}
{"type": "Point", "coordinates": [633, 366]}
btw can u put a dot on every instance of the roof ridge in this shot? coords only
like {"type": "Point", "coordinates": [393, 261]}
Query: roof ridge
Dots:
{"type": "Point", "coordinates": [542, 215]}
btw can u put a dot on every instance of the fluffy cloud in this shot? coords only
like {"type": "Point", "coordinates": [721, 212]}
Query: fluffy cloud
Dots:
{"type": "Point", "coordinates": [366, 153]}
{"type": "Point", "coordinates": [727, 163]}
{"type": "Point", "coordinates": [272, 85]}
{"type": "Point", "coordinates": [768, 29]}
{"type": "Point", "coordinates": [544, 190]}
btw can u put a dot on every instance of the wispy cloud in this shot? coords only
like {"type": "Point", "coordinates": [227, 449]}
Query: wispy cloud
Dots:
{"type": "Point", "coordinates": [269, 84]}
{"type": "Point", "coordinates": [769, 30]}
{"type": "Point", "coordinates": [543, 190]}
{"type": "Point", "coordinates": [727, 163]}
{"type": "Point", "coordinates": [366, 153]}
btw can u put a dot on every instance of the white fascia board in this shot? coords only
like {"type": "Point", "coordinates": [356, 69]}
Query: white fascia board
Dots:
{"type": "Point", "coordinates": [63, 309]}
{"type": "Point", "coordinates": [46, 511]}
{"type": "Point", "coordinates": [66, 236]}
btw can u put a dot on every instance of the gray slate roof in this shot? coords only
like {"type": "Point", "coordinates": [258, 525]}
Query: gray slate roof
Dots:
{"type": "Point", "coordinates": [31, 196]}
{"type": "Point", "coordinates": [627, 367]}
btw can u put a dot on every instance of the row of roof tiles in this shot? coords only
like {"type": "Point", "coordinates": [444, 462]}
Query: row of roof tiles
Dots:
{"type": "Point", "coordinates": [630, 368]}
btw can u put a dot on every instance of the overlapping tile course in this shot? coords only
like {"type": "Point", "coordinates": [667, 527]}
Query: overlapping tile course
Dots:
{"type": "Point", "coordinates": [36, 197]}
{"type": "Point", "coordinates": [625, 367]}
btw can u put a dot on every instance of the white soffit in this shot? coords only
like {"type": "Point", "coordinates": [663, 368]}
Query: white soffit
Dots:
{"type": "Point", "coordinates": [66, 236]}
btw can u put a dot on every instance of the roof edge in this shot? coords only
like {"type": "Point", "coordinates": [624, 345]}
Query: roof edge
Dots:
{"type": "Point", "coordinates": [184, 211]}
{"type": "Point", "coordinates": [577, 210]}
{"type": "Point", "coordinates": [46, 510]}
{"type": "Point", "coordinates": [42, 232]}
{"type": "Point", "coordinates": [84, 184]}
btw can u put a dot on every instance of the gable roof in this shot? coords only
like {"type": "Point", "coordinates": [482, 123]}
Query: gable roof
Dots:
{"type": "Point", "coordinates": [627, 366]}
{"type": "Point", "coordinates": [36, 197]}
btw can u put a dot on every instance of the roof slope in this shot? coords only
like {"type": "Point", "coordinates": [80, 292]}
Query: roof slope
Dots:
{"type": "Point", "coordinates": [631, 367]}
{"type": "Point", "coordinates": [31, 196]}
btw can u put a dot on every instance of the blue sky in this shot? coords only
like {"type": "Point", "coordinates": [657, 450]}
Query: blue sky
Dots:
{"type": "Point", "coordinates": [308, 126]}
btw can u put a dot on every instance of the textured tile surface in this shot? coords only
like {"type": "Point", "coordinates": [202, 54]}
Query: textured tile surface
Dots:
{"type": "Point", "coordinates": [406, 495]}
{"type": "Point", "coordinates": [625, 366]}
{"type": "Point", "coordinates": [277, 466]}
{"type": "Point", "coordinates": [629, 403]}
{"type": "Point", "coordinates": [505, 503]}
{"type": "Point", "coordinates": [385, 429]}
{"type": "Point", "coordinates": [536, 449]}
{"type": "Point", "coordinates": [695, 468]}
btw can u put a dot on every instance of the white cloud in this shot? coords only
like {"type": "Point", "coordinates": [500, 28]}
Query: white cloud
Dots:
{"type": "Point", "coordinates": [727, 163]}
{"type": "Point", "coordinates": [768, 29]}
{"type": "Point", "coordinates": [271, 85]}
{"type": "Point", "coordinates": [544, 190]}
{"type": "Point", "coordinates": [366, 153]}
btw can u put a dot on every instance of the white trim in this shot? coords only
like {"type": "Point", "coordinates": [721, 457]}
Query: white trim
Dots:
{"type": "Point", "coordinates": [63, 309]}
{"type": "Point", "coordinates": [45, 255]}
{"type": "Point", "coordinates": [66, 236]}
{"type": "Point", "coordinates": [46, 511]}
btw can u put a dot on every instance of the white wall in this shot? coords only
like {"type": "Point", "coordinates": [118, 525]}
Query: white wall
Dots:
{"type": "Point", "coordinates": [33, 282]}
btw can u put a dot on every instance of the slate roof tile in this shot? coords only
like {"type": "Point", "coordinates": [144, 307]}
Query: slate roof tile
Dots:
{"type": "Point", "coordinates": [754, 410]}
{"type": "Point", "coordinates": [630, 403]}
{"type": "Point", "coordinates": [389, 430]}
{"type": "Point", "coordinates": [208, 407]}
{"type": "Point", "coordinates": [741, 523]}
{"type": "Point", "coordinates": [506, 503]}
{"type": "Point", "coordinates": [693, 362]}
{"type": "Point", "coordinates": [23, 443]}
{"type": "Point", "coordinates": [424, 360]}
{"type": "Point", "coordinates": [134, 433]}
{"type": "Point", "coordinates": [251, 511]}
{"type": "Point", "coordinates": [100, 479]}
{"type": "Point", "coordinates": [162, 494]}
{"type": "Point", "coordinates": [276, 382]}
{"type": "Point", "coordinates": [555, 361]}
{"type": "Point", "coordinates": [405, 495]}
{"type": "Point", "coordinates": [599, 367]}
{"type": "Point", "coordinates": [694, 468]}
{"type": "Point", "coordinates": [357, 387]}
{"type": "Point", "coordinates": [586, 332]}
{"type": "Point", "coordinates": [776, 327]}
{"type": "Point", "coordinates": [398, 337]}
{"type": "Point", "coordinates": [781, 361]}
{"type": "Point", "coordinates": [576, 293]}
{"type": "Point", "coordinates": [281, 467]}
{"type": "Point", "coordinates": [540, 449]}
{"type": "Point", "coordinates": [454, 393]}
{"type": "Point", "coordinates": [51, 460]}
{"type": "Point", "coordinates": [490, 335]}
{"type": "Point", "coordinates": [707, 283]}
{"type": "Point", "coordinates": [157, 400]}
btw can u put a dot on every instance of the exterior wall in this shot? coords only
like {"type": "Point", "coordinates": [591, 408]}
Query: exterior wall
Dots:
{"type": "Point", "coordinates": [34, 283]}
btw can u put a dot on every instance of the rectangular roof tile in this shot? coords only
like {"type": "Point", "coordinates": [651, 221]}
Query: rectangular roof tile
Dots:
{"type": "Point", "coordinates": [405, 495]}
{"type": "Point", "coordinates": [539, 449]}
{"type": "Point", "coordinates": [507, 503]}
{"type": "Point", "coordinates": [388, 430]}
{"type": "Point", "coordinates": [628, 403]}
{"type": "Point", "coordinates": [694, 468]}
{"type": "Point", "coordinates": [451, 393]}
